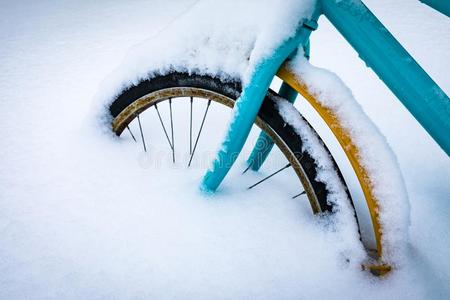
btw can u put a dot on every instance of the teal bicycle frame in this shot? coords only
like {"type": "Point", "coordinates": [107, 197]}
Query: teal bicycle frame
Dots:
{"type": "Point", "coordinates": [376, 46]}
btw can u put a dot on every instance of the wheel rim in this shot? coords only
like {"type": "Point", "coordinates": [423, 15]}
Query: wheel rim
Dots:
{"type": "Point", "coordinates": [132, 111]}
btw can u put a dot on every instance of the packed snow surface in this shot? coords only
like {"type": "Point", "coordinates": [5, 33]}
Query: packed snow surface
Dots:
{"type": "Point", "coordinates": [84, 215]}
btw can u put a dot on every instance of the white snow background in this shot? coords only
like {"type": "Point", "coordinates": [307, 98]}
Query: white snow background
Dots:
{"type": "Point", "coordinates": [84, 216]}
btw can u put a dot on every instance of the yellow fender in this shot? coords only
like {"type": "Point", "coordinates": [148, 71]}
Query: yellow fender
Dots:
{"type": "Point", "coordinates": [352, 153]}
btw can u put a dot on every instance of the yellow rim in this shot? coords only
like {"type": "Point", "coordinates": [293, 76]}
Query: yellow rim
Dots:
{"type": "Point", "coordinates": [350, 149]}
{"type": "Point", "coordinates": [120, 122]}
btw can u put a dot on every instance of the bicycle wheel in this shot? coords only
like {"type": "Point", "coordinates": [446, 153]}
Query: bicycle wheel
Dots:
{"type": "Point", "coordinates": [132, 102]}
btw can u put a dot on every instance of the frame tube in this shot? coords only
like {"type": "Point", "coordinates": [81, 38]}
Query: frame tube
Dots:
{"type": "Point", "coordinates": [247, 106]}
{"type": "Point", "coordinates": [442, 6]}
{"type": "Point", "coordinates": [264, 143]}
{"type": "Point", "coordinates": [392, 63]}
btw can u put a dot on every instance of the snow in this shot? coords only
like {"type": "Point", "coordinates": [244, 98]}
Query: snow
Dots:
{"type": "Point", "coordinates": [227, 41]}
{"type": "Point", "coordinates": [86, 216]}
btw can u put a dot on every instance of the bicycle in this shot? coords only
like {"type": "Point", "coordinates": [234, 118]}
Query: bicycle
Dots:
{"type": "Point", "coordinates": [254, 103]}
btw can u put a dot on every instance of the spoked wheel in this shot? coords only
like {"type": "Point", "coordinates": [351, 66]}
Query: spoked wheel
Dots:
{"type": "Point", "coordinates": [129, 108]}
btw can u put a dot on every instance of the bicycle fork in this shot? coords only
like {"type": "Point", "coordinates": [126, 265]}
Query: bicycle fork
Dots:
{"type": "Point", "coordinates": [247, 106]}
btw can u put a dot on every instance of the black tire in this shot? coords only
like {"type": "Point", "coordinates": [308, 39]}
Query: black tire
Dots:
{"type": "Point", "coordinates": [268, 116]}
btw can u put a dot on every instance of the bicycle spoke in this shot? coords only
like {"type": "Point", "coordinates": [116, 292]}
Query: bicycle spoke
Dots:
{"type": "Point", "coordinates": [199, 132]}
{"type": "Point", "coordinates": [245, 171]}
{"type": "Point", "coordinates": [171, 129]}
{"type": "Point", "coordinates": [273, 174]}
{"type": "Point", "coordinates": [192, 148]}
{"type": "Point", "coordinates": [132, 135]}
{"type": "Point", "coordinates": [190, 130]}
{"type": "Point", "coordinates": [164, 127]}
{"type": "Point", "coordinates": [142, 134]}
{"type": "Point", "coordinates": [302, 193]}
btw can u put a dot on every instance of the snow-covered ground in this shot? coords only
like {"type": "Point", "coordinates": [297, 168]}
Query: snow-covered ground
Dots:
{"type": "Point", "coordinates": [85, 216]}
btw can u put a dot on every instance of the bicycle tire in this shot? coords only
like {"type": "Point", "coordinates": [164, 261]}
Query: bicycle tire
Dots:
{"type": "Point", "coordinates": [269, 120]}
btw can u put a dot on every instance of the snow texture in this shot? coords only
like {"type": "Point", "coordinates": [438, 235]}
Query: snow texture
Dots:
{"type": "Point", "coordinates": [84, 216]}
